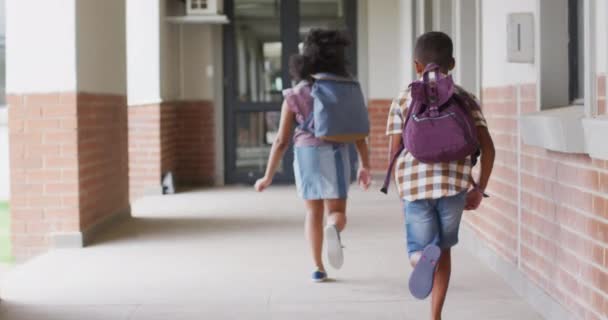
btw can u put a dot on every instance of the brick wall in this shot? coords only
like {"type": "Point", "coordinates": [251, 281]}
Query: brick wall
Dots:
{"type": "Point", "coordinates": [102, 157]}
{"type": "Point", "coordinates": [144, 148]}
{"type": "Point", "coordinates": [44, 179]}
{"type": "Point", "coordinates": [152, 146]}
{"type": "Point", "coordinates": [168, 137]}
{"type": "Point", "coordinates": [172, 136]}
{"type": "Point", "coordinates": [554, 227]}
{"type": "Point", "coordinates": [68, 165]}
{"type": "Point", "coordinates": [378, 114]}
{"type": "Point", "coordinates": [195, 143]}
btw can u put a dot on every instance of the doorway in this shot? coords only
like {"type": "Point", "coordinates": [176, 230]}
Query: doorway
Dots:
{"type": "Point", "coordinates": [257, 45]}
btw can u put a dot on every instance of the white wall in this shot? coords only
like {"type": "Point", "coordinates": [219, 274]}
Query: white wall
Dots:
{"type": "Point", "coordinates": [496, 71]}
{"type": "Point", "coordinates": [196, 59]}
{"type": "Point", "coordinates": [387, 59]}
{"type": "Point", "coordinates": [152, 53]}
{"type": "Point", "coordinates": [41, 57]}
{"type": "Point", "coordinates": [101, 46]}
{"type": "Point", "coordinates": [169, 56]}
{"type": "Point", "coordinates": [362, 45]}
{"type": "Point", "coordinates": [406, 40]}
{"type": "Point", "coordinates": [383, 49]}
{"type": "Point", "coordinates": [143, 56]}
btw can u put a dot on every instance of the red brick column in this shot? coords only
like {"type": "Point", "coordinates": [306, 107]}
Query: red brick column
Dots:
{"type": "Point", "coordinates": [152, 146]}
{"type": "Point", "coordinates": [378, 114]}
{"type": "Point", "coordinates": [195, 143]}
{"type": "Point", "coordinates": [68, 168]}
{"type": "Point", "coordinates": [172, 136]}
{"type": "Point", "coordinates": [102, 159]}
{"type": "Point", "coordinates": [44, 170]}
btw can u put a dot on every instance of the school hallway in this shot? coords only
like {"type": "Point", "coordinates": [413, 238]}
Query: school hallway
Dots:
{"type": "Point", "coordinates": [231, 253]}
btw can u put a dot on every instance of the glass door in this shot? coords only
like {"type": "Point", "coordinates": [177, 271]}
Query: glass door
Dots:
{"type": "Point", "coordinates": [257, 45]}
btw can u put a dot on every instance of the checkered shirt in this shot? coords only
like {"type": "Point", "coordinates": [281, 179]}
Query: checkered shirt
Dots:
{"type": "Point", "coordinates": [416, 180]}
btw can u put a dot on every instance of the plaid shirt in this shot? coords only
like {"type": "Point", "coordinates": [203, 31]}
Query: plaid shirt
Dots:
{"type": "Point", "coordinates": [417, 180]}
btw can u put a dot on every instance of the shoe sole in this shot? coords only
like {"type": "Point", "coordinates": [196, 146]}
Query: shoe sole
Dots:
{"type": "Point", "coordinates": [421, 279]}
{"type": "Point", "coordinates": [334, 247]}
{"type": "Point", "coordinates": [319, 280]}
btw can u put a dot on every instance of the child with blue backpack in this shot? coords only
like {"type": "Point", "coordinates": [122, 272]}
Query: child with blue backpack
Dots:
{"type": "Point", "coordinates": [328, 107]}
{"type": "Point", "coordinates": [437, 132]}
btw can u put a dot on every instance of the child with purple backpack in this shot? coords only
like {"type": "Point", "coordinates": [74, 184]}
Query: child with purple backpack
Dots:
{"type": "Point", "coordinates": [437, 132]}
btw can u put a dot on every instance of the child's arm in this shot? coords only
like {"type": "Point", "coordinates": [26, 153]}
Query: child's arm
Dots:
{"type": "Point", "coordinates": [279, 146]}
{"type": "Point", "coordinates": [488, 154]}
{"type": "Point", "coordinates": [363, 176]}
{"type": "Point", "coordinates": [394, 145]}
{"type": "Point", "coordinates": [487, 157]}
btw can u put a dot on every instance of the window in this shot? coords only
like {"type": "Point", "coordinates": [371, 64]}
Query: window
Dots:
{"type": "Point", "coordinates": [576, 57]}
{"type": "Point", "coordinates": [561, 86]}
{"type": "Point", "coordinates": [566, 78]}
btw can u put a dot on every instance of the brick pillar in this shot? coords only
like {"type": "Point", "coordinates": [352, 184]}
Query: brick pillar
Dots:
{"type": "Point", "coordinates": [195, 143]}
{"type": "Point", "coordinates": [171, 129]}
{"type": "Point", "coordinates": [67, 121]}
{"type": "Point", "coordinates": [378, 114]}
{"type": "Point", "coordinates": [153, 80]}
{"type": "Point", "coordinates": [152, 146]}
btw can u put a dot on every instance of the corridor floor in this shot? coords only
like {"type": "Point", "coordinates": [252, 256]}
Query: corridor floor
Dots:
{"type": "Point", "coordinates": [235, 254]}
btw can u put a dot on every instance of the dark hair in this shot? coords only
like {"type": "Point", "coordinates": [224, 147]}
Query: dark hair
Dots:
{"type": "Point", "coordinates": [325, 51]}
{"type": "Point", "coordinates": [299, 67]}
{"type": "Point", "coordinates": [435, 47]}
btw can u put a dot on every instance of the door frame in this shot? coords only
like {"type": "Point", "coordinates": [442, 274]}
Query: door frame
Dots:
{"type": "Point", "coordinates": [289, 24]}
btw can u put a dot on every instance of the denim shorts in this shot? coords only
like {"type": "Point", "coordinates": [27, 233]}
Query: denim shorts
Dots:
{"type": "Point", "coordinates": [433, 221]}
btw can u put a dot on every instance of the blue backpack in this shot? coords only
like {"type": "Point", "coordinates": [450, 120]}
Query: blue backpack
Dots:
{"type": "Point", "coordinates": [339, 112]}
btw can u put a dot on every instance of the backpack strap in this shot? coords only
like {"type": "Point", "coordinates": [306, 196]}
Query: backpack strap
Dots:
{"type": "Point", "coordinates": [431, 67]}
{"type": "Point", "coordinates": [307, 124]}
{"type": "Point", "coordinates": [431, 88]}
{"type": "Point", "coordinates": [387, 178]}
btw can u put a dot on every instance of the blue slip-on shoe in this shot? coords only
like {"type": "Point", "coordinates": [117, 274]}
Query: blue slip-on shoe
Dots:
{"type": "Point", "coordinates": [319, 276]}
{"type": "Point", "coordinates": [421, 279]}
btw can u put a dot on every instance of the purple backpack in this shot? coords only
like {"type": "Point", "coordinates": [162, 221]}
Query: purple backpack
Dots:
{"type": "Point", "coordinates": [438, 126]}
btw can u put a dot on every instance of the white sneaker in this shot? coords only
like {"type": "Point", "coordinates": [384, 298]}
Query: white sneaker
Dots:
{"type": "Point", "coordinates": [334, 246]}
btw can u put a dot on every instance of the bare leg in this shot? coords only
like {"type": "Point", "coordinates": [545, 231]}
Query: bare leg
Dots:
{"type": "Point", "coordinates": [314, 230]}
{"type": "Point", "coordinates": [440, 285]}
{"type": "Point", "coordinates": [336, 209]}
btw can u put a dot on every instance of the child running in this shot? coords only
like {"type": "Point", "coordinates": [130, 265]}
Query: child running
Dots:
{"type": "Point", "coordinates": [321, 168]}
{"type": "Point", "coordinates": [434, 192]}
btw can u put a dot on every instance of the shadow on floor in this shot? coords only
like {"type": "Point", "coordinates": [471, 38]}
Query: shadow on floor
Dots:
{"type": "Point", "coordinates": [173, 228]}
{"type": "Point", "coordinates": [10, 310]}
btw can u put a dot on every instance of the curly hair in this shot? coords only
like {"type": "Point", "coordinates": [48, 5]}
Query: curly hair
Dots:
{"type": "Point", "coordinates": [325, 51]}
{"type": "Point", "coordinates": [299, 67]}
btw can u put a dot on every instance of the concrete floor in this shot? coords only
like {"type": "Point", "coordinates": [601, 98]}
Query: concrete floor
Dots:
{"type": "Point", "coordinates": [234, 254]}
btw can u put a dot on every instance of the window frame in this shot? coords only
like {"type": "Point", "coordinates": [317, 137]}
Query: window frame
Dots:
{"type": "Point", "coordinates": [554, 87]}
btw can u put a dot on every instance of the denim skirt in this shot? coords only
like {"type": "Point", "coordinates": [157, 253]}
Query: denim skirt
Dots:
{"type": "Point", "coordinates": [322, 172]}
